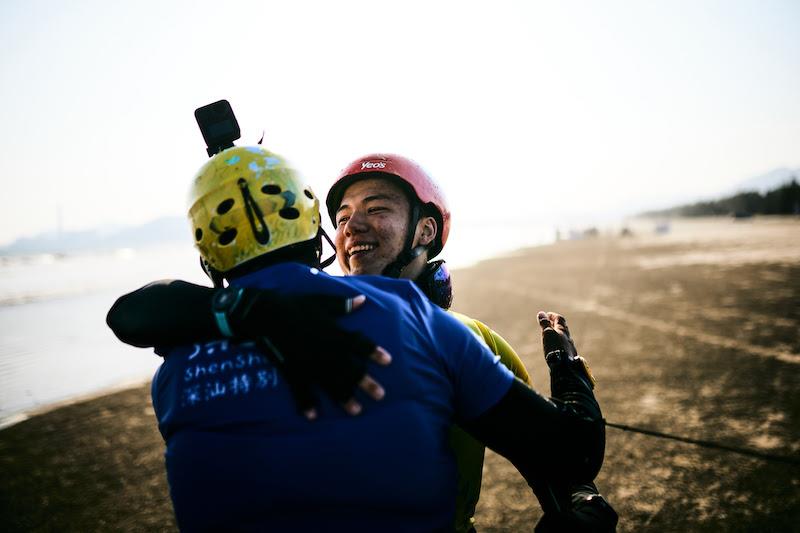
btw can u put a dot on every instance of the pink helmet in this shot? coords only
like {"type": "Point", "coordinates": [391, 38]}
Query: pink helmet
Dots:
{"type": "Point", "coordinates": [409, 172]}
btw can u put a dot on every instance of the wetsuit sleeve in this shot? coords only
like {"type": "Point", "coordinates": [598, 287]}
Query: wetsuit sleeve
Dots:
{"type": "Point", "coordinates": [562, 439]}
{"type": "Point", "coordinates": [164, 313]}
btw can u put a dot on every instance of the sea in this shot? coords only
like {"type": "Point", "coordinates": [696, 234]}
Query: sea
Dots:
{"type": "Point", "coordinates": [55, 347]}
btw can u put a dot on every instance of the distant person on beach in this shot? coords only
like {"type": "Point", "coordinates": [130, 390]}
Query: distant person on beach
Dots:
{"type": "Point", "coordinates": [375, 237]}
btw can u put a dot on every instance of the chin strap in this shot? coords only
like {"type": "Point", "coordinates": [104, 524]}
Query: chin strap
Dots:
{"type": "Point", "coordinates": [409, 253]}
{"type": "Point", "coordinates": [215, 275]}
{"type": "Point", "coordinates": [327, 262]}
{"type": "Point", "coordinates": [395, 269]}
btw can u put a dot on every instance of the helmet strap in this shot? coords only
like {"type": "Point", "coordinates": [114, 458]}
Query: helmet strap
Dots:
{"type": "Point", "coordinates": [409, 253]}
{"type": "Point", "coordinates": [215, 275]}
{"type": "Point", "coordinates": [395, 269]}
{"type": "Point", "coordinates": [327, 262]}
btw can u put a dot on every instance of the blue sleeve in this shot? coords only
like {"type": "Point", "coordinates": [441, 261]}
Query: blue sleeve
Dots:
{"type": "Point", "coordinates": [478, 378]}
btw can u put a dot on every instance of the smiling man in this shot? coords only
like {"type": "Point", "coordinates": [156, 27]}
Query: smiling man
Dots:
{"type": "Point", "coordinates": [373, 217]}
{"type": "Point", "coordinates": [391, 219]}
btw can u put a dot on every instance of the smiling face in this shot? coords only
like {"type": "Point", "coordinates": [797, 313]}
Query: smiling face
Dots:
{"type": "Point", "coordinates": [371, 226]}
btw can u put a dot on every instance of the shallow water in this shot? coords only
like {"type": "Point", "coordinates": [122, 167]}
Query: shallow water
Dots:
{"type": "Point", "coordinates": [55, 349]}
{"type": "Point", "coordinates": [54, 344]}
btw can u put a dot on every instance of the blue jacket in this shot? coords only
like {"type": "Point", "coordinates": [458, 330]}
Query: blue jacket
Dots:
{"type": "Point", "coordinates": [239, 457]}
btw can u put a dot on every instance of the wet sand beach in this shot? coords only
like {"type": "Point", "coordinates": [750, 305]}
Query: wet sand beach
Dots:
{"type": "Point", "coordinates": [695, 332]}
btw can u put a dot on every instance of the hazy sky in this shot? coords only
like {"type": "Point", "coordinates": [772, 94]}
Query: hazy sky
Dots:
{"type": "Point", "coordinates": [520, 109]}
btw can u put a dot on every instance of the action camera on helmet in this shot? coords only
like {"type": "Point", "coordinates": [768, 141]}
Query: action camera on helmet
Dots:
{"type": "Point", "coordinates": [218, 125]}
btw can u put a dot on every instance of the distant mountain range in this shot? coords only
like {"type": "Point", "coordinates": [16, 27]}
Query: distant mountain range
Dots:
{"type": "Point", "coordinates": [775, 193]}
{"type": "Point", "coordinates": [767, 182]}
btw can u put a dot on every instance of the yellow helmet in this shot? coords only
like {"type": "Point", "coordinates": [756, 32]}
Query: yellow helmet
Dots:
{"type": "Point", "coordinates": [246, 202]}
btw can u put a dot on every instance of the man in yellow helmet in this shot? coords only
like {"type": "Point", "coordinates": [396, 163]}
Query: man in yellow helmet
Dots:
{"type": "Point", "coordinates": [391, 218]}
{"type": "Point", "coordinates": [237, 456]}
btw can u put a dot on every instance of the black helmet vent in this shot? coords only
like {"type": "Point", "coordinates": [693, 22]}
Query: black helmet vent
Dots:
{"type": "Point", "coordinates": [289, 213]}
{"type": "Point", "coordinates": [227, 236]}
{"type": "Point", "coordinates": [225, 206]}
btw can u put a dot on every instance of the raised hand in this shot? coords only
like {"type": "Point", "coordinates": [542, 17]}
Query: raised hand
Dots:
{"type": "Point", "coordinates": [555, 334]}
{"type": "Point", "coordinates": [559, 348]}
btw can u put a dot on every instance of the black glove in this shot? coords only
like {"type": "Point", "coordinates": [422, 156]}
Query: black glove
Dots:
{"type": "Point", "coordinates": [571, 385]}
{"type": "Point", "coordinates": [586, 512]}
{"type": "Point", "coordinates": [301, 336]}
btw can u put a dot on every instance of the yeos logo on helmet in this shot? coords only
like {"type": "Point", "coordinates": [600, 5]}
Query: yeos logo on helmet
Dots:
{"type": "Point", "coordinates": [370, 164]}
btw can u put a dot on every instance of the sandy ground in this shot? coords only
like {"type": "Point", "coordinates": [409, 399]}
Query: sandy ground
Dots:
{"type": "Point", "coordinates": [695, 332]}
